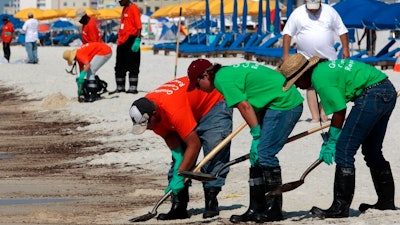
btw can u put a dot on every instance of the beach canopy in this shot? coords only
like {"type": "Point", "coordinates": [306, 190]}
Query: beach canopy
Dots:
{"type": "Point", "coordinates": [387, 18]}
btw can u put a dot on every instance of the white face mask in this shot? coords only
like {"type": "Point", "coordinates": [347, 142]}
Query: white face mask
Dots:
{"type": "Point", "coordinates": [139, 121]}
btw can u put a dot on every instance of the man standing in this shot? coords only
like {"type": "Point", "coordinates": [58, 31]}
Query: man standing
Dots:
{"type": "Point", "coordinates": [128, 48]}
{"type": "Point", "coordinates": [6, 37]}
{"type": "Point", "coordinates": [30, 28]}
{"type": "Point", "coordinates": [314, 25]}
{"type": "Point", "coordinates": [90, 31]}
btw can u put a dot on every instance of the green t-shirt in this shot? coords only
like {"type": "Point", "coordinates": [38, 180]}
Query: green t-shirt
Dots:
{"type": "Point", "coordinates": [257, 84]}
{"type": "Point", "coordinates": [340, 81]}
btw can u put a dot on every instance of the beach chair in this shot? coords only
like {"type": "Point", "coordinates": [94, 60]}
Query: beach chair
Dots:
{"type": "Point", "coordinates": [384, 58]}
{"type": "Point", "coordinates": [250, 52]}
{"type": "Point", "coordinates": [198, 50]}
{"type": "Point", "coordinates": [238, 42]}
{"type": "Point", "coordinates": [254, 40]}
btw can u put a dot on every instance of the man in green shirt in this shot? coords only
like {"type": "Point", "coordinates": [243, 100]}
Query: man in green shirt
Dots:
{"type": "Point", "coordinates": [338, 82]}
{"type": "Point", "coordinates": [271, 114]}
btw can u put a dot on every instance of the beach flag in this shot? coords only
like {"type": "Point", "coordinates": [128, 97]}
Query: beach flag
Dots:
{"type": "Point", "coordinates": [396, 67]}
{"type": "Point", "coordinates": [183, 30]}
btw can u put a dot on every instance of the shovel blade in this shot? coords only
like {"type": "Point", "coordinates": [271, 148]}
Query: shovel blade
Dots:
{"type": "Point", "coordinates": [143, 218]}
{"type": "Point", "coordinates": [285, 187]}
{"type": "Point", "coordinates": [197, 176]}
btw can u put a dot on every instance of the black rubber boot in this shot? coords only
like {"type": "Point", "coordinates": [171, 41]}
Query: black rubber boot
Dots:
{"type": "Point", "coordinates": [343, 191]}
{"type": "Point", "coordinates": [92, 89]}
{"type": "Point", "coordinates": [211, 201]}
{"type": "Point", "coordinates": [273, 210]}
{"type": "Point", "coordinates": [179, 206]}
{"type": "Point", "coordinates": [257, 197]}
{"type": "Point", "coordinates": [384, 187]}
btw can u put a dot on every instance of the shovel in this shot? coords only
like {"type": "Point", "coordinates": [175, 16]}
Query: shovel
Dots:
{"type": "Point", "coordinates": [209, 177]}
{"type": "Point", "coordinates": [294, 184]}
{"type": "Point", "coordinates": [209, 156]}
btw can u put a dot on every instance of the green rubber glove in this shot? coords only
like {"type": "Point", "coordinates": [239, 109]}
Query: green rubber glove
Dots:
{"type": "Point", "coordinates": [79, 81]}
{"type": "Point", "coordinates": [136, 45]}
{"type": "Point", "coordinates": [177, 182]}
{"type": "Point", "coordinates": [328, 149]}
{"type": "Point", "coordinates": [8, 34]}
{"type": "Point", "coordinates": [256, 134]}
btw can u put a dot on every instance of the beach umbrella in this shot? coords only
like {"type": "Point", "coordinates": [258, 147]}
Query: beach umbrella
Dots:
{"type": "Point", "coordinates": [268, 17]}
{"type": "Point", "coordinates": [192, 8]}
{"type": "Point", "coordinates": [277, 19]}
{"type": "Point", "coordinates": [244, 17]}
{"type": "Point", "coordinates": [289, 7]}
{"type": "Point", "coordinates": [260, 17]}
{"type": "Point", "coordinates": [71, 13]}
{"type": "Point", "coordinates": [108, 14]}
{"type": "Point", "coordinates": [207, 19]}
{"type": "Point", "coordinates": [235, 17]}
{"type": "Point", "coordinates": [386, 18]}
{"type": "Point", "coordinates": [23, 14]}
{"type": "Point", "coordinates": [49, 14]}
{"type": "Point", "coordinates": [44, 28]}
{"type": "Point", "coordinates": [63, 25]}
{"type": "Point", "coordinates": [354, 12]}
{"type": "Point", "coordinates": [222, 16]}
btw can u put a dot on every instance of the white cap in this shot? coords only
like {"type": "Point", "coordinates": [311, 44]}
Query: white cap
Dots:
{"type": "Point", "coordinates": [79, 13]}
{"type": "Point", "coordinates": [313, 4]}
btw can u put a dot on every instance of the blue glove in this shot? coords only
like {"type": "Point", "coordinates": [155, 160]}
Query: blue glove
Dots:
{"type": "Point", "coordinates": [79, 81]}
{"type": "Point", "coordinates": [328, 149]}
{"type": "Point", "coordinates": [136, 45]}
{"type": "Point", "coordinates": [256, 134]}
{"type": "Point", "coordinates": [177, 182]}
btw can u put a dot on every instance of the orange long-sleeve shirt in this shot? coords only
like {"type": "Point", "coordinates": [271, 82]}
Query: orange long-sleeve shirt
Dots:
{"type": "Point", "coordinates": [130, 23]}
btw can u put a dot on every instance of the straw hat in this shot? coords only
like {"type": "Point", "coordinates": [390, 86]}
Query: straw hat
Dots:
{"type": "Point", "coordinates": [69, 55]}
{"type": "Point", "coordinates": [294, 66]}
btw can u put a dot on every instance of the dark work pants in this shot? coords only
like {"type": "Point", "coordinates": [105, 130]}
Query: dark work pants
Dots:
{"type": "Point", "coordinates": [127, 61]}
{"type": "Point", "coordinates": [7, 51]}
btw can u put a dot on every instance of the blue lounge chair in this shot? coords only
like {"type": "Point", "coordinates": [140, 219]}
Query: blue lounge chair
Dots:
{"type": "Point", "coordinates": [207, 50]}
{"type": "Point", "coordinates": [250, 52]}
{"type": "Point", "coordinates": [254, 40]}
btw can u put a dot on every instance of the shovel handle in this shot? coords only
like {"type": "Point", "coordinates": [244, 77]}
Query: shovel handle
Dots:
{"type": "Point", "coordinates": [310, 168]}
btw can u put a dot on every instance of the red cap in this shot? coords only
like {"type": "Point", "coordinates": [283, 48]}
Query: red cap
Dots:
{"type": "Point", "coordinates": [195, 70]}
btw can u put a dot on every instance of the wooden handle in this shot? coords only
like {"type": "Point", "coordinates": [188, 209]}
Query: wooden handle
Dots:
{"type": "Point", "coordinates": [219, 147]}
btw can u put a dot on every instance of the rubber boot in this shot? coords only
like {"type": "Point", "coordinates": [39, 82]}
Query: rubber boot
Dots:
{"type": "Point", "coordinates": [211, 201]}
{"type": "Point", "coordinates": [273, 210]}
{"type": "Point", "coordinates": [92, 88]}
{"type": "Point", "coordinates": [343, 191]}
{"type": "Point", "coordinates": [384, 187]}
{"type": "Point", "coordinates": [257, 197]}
{"type": "Point", "coordinates": [179, 206]}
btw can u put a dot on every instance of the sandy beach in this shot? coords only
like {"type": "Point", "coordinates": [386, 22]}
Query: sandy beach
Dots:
{"type": "Point", "coordinates": [144, 159]}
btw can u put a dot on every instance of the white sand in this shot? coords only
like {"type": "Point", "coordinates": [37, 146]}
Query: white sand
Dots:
{"type": "Point", "coordinates": [49, 81]}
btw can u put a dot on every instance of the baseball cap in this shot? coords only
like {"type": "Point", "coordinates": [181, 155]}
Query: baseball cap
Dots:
{"type": "Point", "coordinates": [195, 70]}
{"type": "Point", "coordinates": [79, 13]}
{"type": "Point", "coordinates": [313, 4]}
{"type": "Point", "coordinates": [140, 113]}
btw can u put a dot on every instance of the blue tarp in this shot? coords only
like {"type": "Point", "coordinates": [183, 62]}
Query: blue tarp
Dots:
{"type": "Point", "coordinates": [63, 25]}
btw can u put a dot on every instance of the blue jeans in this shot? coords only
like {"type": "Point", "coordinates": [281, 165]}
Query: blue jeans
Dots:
{"type": "Point", "coordinates": [366, 126]}
{"type": "Point", "coordinates": [31, 49]}
{"type": "Point", "coordinates": [275, 129]}
{"type": "Point", "coordinates": [212, 129]}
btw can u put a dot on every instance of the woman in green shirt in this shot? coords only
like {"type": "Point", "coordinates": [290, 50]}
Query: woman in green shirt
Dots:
{"type": "Point", "coordinates": [271, 114]}
{"type": "Point", "coordinates": [338, 82]}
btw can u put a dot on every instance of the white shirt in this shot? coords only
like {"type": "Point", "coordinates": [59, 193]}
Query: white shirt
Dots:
{"type": "Point", "coordinates": [31, 27]}
{"type": "Point", "coordinates": [315, 33]}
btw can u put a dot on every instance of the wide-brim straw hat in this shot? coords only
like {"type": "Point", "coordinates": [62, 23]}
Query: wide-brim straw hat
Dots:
{"type": "Point", "coordinates": [295, 66]}
{"type": "Point", "coordinates": [69, 55]}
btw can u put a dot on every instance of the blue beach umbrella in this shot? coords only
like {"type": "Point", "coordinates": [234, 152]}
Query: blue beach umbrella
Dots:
{"type": "Point", "coordinates": [244, 16]}
{"type": "Point", "coordinates": [268, 17]}
{"type": "Point", "coordinates": [207, 20]}
{"type": "Point", "coordinates": [260, 17]}
{"type": "Point", "coordinates": [234, 17]}
{"type": "Point", "coordinates": [277, 19]}
{"type": "Point", "coordinates": [386, 18]}
{"type": "Point", "coordinates": [289, 8]}
{"type": "Point", "coordinates": [222, 17]}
